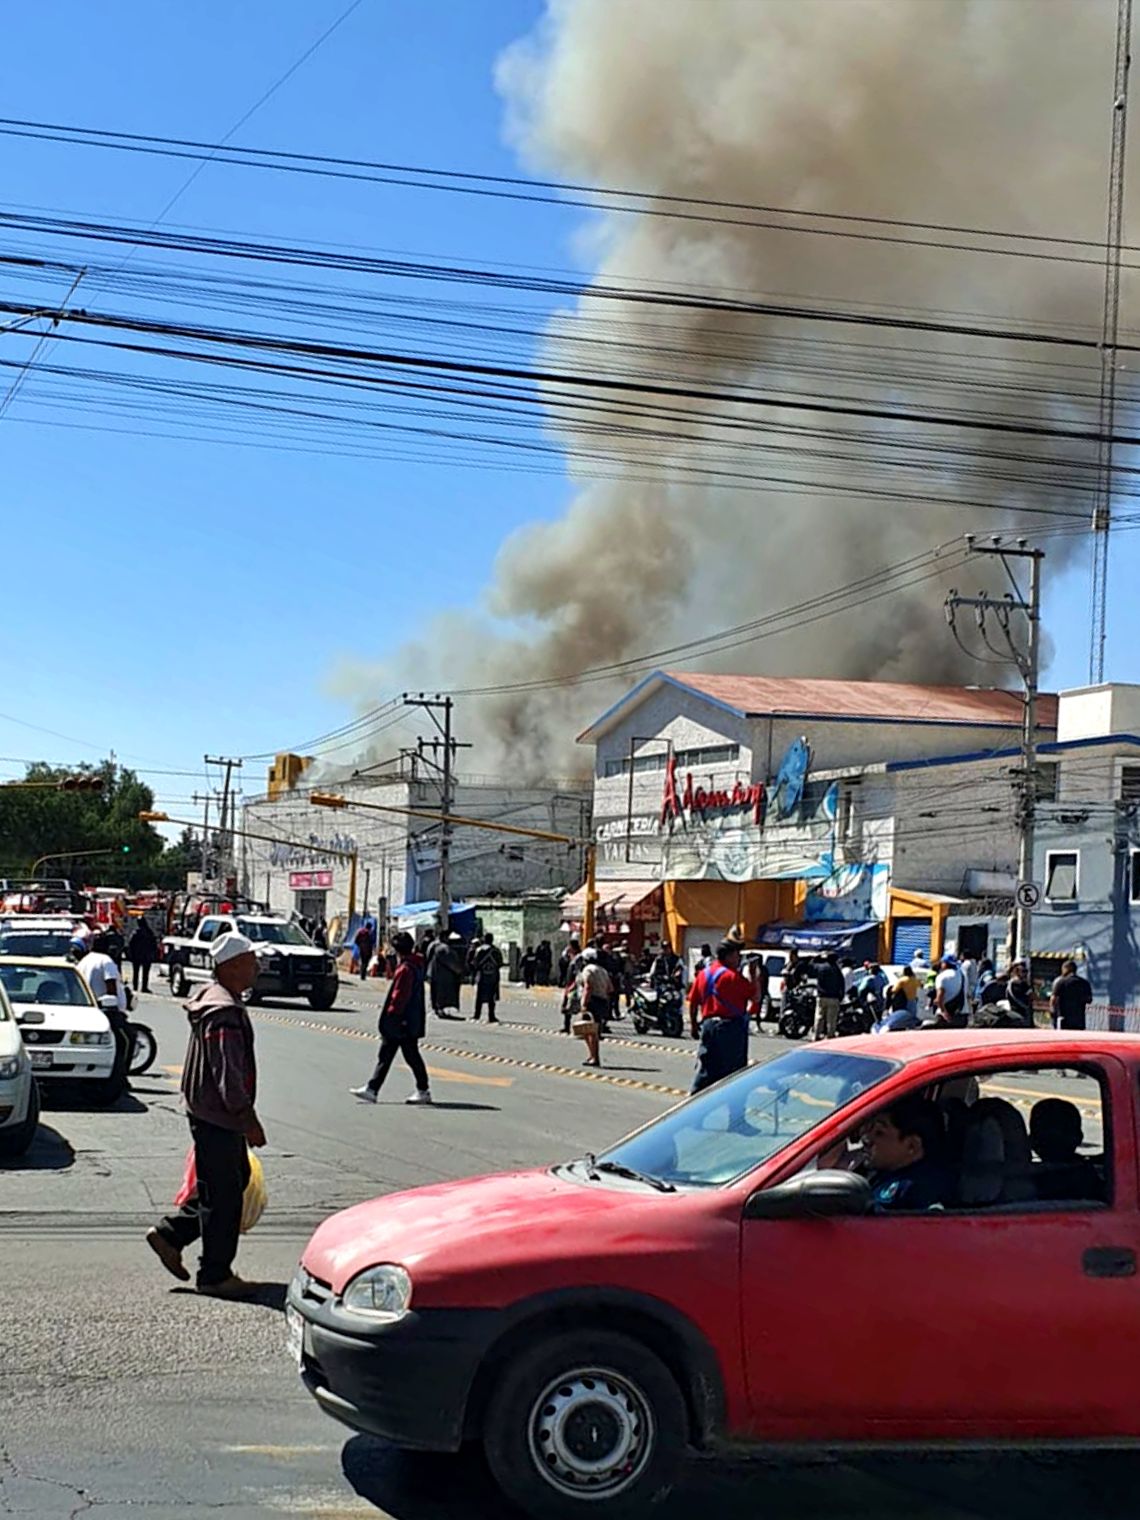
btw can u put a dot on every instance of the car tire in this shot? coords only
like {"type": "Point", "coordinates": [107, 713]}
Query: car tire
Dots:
{"type": "Point", "coordinates": [179, 982]}
{"type": "Point", "coordinates": [14, 1142]}
{"type": "Point", "coordinates": [573, 1403]}
{"type": "Point", "coordinates": [323, 999]}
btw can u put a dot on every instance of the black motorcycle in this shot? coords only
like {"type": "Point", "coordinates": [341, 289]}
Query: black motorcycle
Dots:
{"type": "Point", "coordinates": [797, 1016]}
{"type": "Point", "coordinates": [658, 1007]}
{"type": "Point", "coordinates": [858, 1015]}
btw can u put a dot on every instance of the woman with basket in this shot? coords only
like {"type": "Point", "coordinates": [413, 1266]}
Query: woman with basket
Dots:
{"type": "Point", "coordinates": [595, 989]}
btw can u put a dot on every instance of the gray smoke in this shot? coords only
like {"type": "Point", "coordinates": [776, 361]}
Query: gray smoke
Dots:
{"type": "Point", "coordinates": [973, 112]}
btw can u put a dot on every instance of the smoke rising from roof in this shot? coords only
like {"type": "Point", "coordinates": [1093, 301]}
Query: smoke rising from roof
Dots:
{"type": "Point", "coordinates": [990, 113]}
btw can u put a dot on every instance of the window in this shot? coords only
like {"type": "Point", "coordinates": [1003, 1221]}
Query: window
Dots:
{"type": "Point", "coordinates": [687, 759]}
{"type": "Point", "coordinates": [732, 1128]}
{"type": "Point", "coordinates": [1130, 783]}
{"type": "Point", "coordinates": [45, 984]}
{"type": "Point", "coordinates": [1047, 780]}
{"type": "Point", "coordinates": [273, 931]}
{"type": "Point", "coordinates": [1061, 875]}
{"type": "Point", "coordinates": [207, 929]}
{"type": "Point", "coordinates": [1023, 1139]}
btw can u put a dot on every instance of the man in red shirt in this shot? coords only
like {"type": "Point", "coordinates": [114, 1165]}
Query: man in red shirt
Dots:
{"type": "Point", "coordinates": [722, 998]}
{"type": "Point", "coordinates": [402, 1021]}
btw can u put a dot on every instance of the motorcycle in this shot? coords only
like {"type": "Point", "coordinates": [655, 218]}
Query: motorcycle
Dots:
{"type": "Point", "coordinates": [143, 1048]}
{"type": "Point", "coordinates": [658, 1007]}
{"type": "Point", "coordinates": [859, 1015]}
{"type": "Point", "coordinates": [797, 1017]}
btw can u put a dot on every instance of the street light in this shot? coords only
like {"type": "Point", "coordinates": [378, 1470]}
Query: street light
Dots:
{"type": "Point", "coordinates": [352, 856]}
{"type": "Point", "coordinates": [335, 800]}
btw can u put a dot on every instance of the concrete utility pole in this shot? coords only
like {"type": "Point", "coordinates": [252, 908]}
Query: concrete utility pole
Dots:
{"type": "Point", "coordinates": [450, 746]}
{"type": "Point", "coordinates": [1027, 658]}
{"type": "Point", "coordinates": [205, 801]}
{"type": "Point", "coordinates": [227, 804]}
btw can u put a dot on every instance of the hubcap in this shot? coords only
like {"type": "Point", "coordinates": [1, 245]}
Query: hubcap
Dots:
{"type": "Point", "coordinates": [591, 1433]}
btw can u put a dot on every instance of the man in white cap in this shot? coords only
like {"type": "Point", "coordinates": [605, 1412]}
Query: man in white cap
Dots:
{"type": "Point", "coordinates": [219, 1086]}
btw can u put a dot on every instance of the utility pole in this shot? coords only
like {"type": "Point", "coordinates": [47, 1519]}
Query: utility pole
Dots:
{"type": "Point", "coordinates": [450, 746]}
{"type": "Point", "coordinates": [1027, 657]}
{"type": "Point", "coordinates": [205, 801]}
{"type": "Point", "coordinates": [1110, 321]}
{"type": "Point", "coordinates": [227, 838]}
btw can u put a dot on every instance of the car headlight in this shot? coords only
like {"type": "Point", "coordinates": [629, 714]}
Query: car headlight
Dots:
{"type": "Point", "coordinates": [382, 1293]}
{"type": "Point", "coordinates": [9, 1067]}
{"type": "Point", "coordinates": [90, 1037]}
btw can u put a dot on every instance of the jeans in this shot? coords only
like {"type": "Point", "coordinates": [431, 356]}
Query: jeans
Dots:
{"type": "Point", "coordinates": [723, 1050]}
{"type": "Point", "coordinates": [409, 1048]}
{"type": "Point", "coordinates": [221, 1158]}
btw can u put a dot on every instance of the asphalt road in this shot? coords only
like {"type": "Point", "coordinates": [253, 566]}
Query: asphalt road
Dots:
{"type": "Point", "coordinates": [121, 1394]}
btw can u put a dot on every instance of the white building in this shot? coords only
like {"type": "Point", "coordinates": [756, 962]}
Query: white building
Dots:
{"type": "Point", "coordinates": [751, 800]}
{"type": "Point", "coordinates": [399, 855]}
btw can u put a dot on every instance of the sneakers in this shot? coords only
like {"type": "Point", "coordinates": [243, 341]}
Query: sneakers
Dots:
{"type": "Point", "coordinates": [418, 1097]}
{"type": "Point", "coordinates": [229, 1287]}
{"type": "Point", "coordinates": [169, 1255]}
{"type": "Point", "coordinates": [365, 1094]}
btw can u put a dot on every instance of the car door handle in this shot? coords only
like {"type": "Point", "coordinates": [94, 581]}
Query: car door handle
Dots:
{"type": "Point", "coordinates": [1109, 1261]}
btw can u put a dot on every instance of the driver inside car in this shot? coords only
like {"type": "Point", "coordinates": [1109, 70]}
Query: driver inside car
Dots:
{"type": "Point", "coordinates": [904, 1147]}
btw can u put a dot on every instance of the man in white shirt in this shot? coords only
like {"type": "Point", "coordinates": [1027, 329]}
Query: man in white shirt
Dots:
{"type": "Point", "coordinates": [105, 979]}
{"type": "Point", "coordinates": [950, 994]}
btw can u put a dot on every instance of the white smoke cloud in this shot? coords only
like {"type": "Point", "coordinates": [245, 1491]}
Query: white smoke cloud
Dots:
{"type": "Point", "coordinates": [973, 112]}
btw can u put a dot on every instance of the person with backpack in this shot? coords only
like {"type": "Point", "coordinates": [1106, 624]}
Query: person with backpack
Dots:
{"type": "Point", "coordinates": [721, 999]}
{"type": "Point", "coordinates": [950, 994]}
{"type": "Point", "coordinates": [401, 1025]}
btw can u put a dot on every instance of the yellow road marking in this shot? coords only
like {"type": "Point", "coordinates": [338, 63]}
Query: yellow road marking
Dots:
{"type": "Point", "coordinates": [469, 1076]}
{"type": "Point", "coordinates": [173, 1071]}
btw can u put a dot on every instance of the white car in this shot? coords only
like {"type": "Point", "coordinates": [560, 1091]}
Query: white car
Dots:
{"type": "Point", "coordinates": [37, 935]}
{"type": "Point", "coordinates": [19, 1096]}
{"type": "Point", "coordinates": [67, 1035]}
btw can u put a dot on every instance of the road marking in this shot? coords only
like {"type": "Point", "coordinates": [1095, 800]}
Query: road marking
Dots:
{"type": "Point", "coordinates": [469, 1076]}
{"type": "Point", "coordinates": [278, 1451]}
{"type": "Point", "coordinates": [581, 1073]}
{"type": "Point", "coordinates": [172, 1071]}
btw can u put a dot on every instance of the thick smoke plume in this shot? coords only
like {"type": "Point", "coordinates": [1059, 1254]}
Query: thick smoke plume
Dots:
{"type": "Point", "coordinates": [990, 113]}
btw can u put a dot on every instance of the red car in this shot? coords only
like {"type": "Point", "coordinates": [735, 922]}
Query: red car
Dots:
{"type": "Point", "coordinates": [919, 1238]}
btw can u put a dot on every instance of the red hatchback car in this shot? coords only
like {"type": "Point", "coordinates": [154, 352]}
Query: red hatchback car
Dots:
{"type": "Point", "coordinates": [755, 1268]}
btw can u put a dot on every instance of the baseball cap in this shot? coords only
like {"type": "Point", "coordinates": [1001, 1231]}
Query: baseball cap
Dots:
{"type": "Point", "coordinates": [229, 946]}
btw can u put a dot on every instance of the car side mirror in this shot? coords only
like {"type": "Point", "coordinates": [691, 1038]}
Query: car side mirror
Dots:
{"type": "Point", "coordinates": [813, 1195]}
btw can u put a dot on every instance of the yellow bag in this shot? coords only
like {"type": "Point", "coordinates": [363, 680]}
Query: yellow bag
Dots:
{"type": "Point", "coordinates": [255, 1197]}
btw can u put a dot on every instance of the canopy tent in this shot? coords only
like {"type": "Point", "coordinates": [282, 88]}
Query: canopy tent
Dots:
{"type": "Point", "coordinates": [615, 899]}
{"type": "Point", "coordinates": [423, 915]}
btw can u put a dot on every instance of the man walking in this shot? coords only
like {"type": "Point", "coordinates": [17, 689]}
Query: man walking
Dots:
{"type": "Point", "coordinates": [721, 998]}
{"type": "Point", "coordinates": [401, 1025]}
{"type": "Point", "coordinates": [828, 996]}
{"type": "Point", "coordinates": [219, 1086]}
{"type": "Point", "coordinates": [1070, 997]}
{"type": "Point", "coordinates": [142, 952]}
{"type": "Point", "coordinates": [365, 941]}
{"type": "Point", "coordinates": [487, 966]}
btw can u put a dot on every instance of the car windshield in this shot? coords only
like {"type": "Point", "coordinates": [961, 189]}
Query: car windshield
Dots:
{"type": "Point", "coordinates": [45, 984]}
{"type": "Point", "coordinates": [729, 1129]}
{"type": "Point", "coordinates": [273, 931]}
{"type": "Point", "coordinates": [35, 943]}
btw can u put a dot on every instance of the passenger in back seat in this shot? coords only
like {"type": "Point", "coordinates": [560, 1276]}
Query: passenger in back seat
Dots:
{"type": "Point", "coordinates": [1055, 1133]}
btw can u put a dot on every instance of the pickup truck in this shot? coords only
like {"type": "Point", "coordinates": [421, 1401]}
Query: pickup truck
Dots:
{"type": "Point", "coordinates": [290, 965]}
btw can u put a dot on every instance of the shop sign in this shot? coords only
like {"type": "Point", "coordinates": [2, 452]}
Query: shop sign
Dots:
{"type": "Point", "coordinates": [684, 802]}
{"type": "Point", "coordinates": [307, 881]}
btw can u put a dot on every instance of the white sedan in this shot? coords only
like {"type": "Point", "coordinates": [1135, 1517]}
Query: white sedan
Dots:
{"type": "Point", "coordinates": [19, 1097]}
{"type": "Point", "coordinates": [67, 1035]}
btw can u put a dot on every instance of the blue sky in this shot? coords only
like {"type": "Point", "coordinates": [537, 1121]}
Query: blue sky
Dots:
{"type": "Point", "coordinates": [188, 596]}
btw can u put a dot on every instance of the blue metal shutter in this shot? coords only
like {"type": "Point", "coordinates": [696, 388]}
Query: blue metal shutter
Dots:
{"type": "Point", "coordinates": [911, 935]}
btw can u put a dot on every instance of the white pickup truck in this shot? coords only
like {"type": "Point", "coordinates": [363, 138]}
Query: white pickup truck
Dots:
{"type": "Point", "coordinates": [290, 965]}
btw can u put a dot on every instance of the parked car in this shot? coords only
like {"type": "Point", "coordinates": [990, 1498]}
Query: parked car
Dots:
{"type": "Point", "coordinates": [67, 1035]}
{"type": "Point", "coordinates": [725, 1278]}
{"type": "Point", "coordinates": [19, 1096]}
{"type": "Point", "coordinates": [34, 936]}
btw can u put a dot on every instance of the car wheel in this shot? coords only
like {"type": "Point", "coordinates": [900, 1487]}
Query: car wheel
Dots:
{"type": "Point", "coordinates": [586, 1422]}
{"type": "Point", "coordinates": [179, 984]}
{"type": "Point", "coordinates": [14, 1142]}
{"type": "Point", "coordinates": [323, 998]}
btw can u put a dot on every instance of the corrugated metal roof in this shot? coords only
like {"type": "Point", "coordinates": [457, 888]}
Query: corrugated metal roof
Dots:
{"type": "Point", "coordinates": [901, 701]}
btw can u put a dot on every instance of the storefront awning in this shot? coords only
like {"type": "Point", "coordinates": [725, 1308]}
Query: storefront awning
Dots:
{"type": "Point", "coordinates": [821, 936]}
{"type": "Point", "coordinates": [615, 899]}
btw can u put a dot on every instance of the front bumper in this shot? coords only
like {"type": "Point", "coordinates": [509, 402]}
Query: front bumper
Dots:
{"type": "Point", "coordinates": [86, 1063]}
{"type": "Point", "coordinates": [289, 981]}
{"type": "Point", "coordinates": [408, 1382]}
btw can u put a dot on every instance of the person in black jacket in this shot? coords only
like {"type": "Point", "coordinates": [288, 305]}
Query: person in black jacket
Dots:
{"type": "Point", "coordinates": [142, 952]}
{"type": "Point", "coordinates": [487, 967]}
{"type": "Point", "coordinates": [828, 996]}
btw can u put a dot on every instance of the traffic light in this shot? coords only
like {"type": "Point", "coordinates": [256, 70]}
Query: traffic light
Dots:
{"type": "Point", "coordinates": [83, 782]}
{"type": "Point", "coordinates": [126, 849]}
